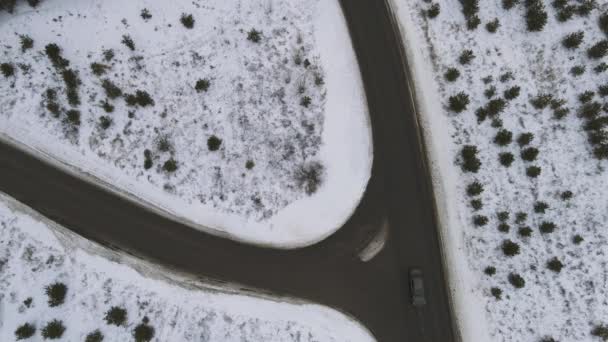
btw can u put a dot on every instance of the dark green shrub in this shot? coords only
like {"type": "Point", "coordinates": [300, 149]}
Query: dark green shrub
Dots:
{"type": "Point", "coordinates": [112, 91]}
{"type": "Point", "coordinates": [73, 97]}
{"type": "Point", "coordinates": [53, 330]}
{"type": "Point", "coordinates": [533, 171]}
{"type": "Point", "coordinates": [547, 227]}
{"type": "Point", "coordinates": [53, 108]}
{"type": "Point", "coordinates": [560, 113]}
{"type": "Point", "coordinates": [506, 158]}
{"type": "Point", "coordinates": [474, 189]}
{"type": "Point", "coordinates": [25, 331]}
{"type": "Point", "coordinates": [476, 204]}
{"type": "Point", "coordinates": [493, 25]}
{"type": "Point", "coordinates": [516, 280]}
{"type": "Point", "coordinates": [466, 57]}
{"type": "Point", "coordinates": [53, 52]}
{"type": "Point", "coordinates": [577, 70]}
{"type": "Point", "coordinates": [56, 293]}
{"type": "Point", "coordinates": [512, 93]}
{"type": "Point", "coordinates": [105, 122]}
{"type": "Point", "coordinates": [602, 90]}
{"type": "Point", "coordinates": [502, 216]}
{"type": "Point", "coordinates": [7, 69]}
{"type": "Point", "coordinates": [566, 195]}
{"type": "Point", "coordinates": [529, 154]}
{"type": "Point", "coordinates": [26, 42]}
{"type": "Point", "coordinates": [490, 270]}
{"type": "Point", "coordinates": [510, 248]}
{"type": "Point", "coordinates": [480, 220]}
{"type": "Point", "coordinates": [99, 69]}
{"type": "Point", "coordinates": [147, 159]}
{"type": "Point", "coordinates": [600, 68]}
{"type": "Point", "coordinates": [573, 40]}
{"type": "Point", "coordinates": [566, 13]}
{"type": "Point", "coordinates": [598, 137]}
{"type": "Point", "coordinates": [249, 164]}
{"type": "Point", "coordinates": [202, 85]}
{"type": "Point", "coordinates": [108, 55]}
{"type": "Point", "coordinates": [470, 8]}
{"type": "Point", "coordinates": [128, 42]}
{"type": "Point", "coordinates": [520, 217]}
{"type": "Point", "coordinates": [541, 101]}
{"type": "Point", "coordinates": [214, 143]}
{"type": "Point", "coordinates": [509, 4]}
{"type": "Point", "coordinates": [503, 137]}
{"type": "Point", "coordinates": [433, 11]}
{"type": "Point", "coordinates": [525, 138]}
{"type": "Point", "coordinates": [451, 74]}
{"type": "Point", "coordinates": [495, 106]}
{"type": "Point", "coordinates": [473, 22]}
{"type": "Point", "coordinates": [540, 207]}
{"type": "Point", "coordinates": [459, 102]}
{"type": "Point", "coordinates": [490, 92]}
{"type": "Point", "coordinates": [116, 316]}
{"type": "Point", "coordinates": [585, 7]}
{"type": "Point", "coordinates": [586, 96]}
{"type": "Point", "coordinates": [590, 110]}
{"type": "Point", "coordinates": [143, 332]}
{"type": "Point", "coordinates": [504, 227]}
{"type": "Point", "coordinates": [536, 16]}
{"type": "Point", "coordinates": [496, 293]}
{"type": "Point", "coordinates": [559, 4]}
{"type": "Point", "coordinates": [601, 152]}
{"type": "Point", "coordinates": [600, 331]}
{"type": "Point", "coordinates": [143, 98]}
{"type": "Point", "coordinates": [254, 36]}
{"type": "Point", "coordinates": [555, 265]}
{"type": "Point", "coordinates": [305, 101]}
{"type": "Point", "coordinates": [603, 22]}
{"type": "Point", "coordinates": [73, 116]}
{"type": "Point", "coordinates": [469, 157]}
{"type": "Point", "coordinates": [170, 165]}
{"type": "Point", "coordinates": [596, 124]}
{"type": "Point", "coordinates": [319, 80]}
{"type": "Point", "coordinates": [187, 20]}
{"type": "Point", "coordinates": [577, 239]}
{"type": "Point", "coordinates": [164, 144]}
{"type": "Point", "coordinates": [524, 231]}
{"type": "Point", "coordinates": [33, 3]}
{"type": "Point", "coordinates": [70, 78]}
{"type": "Point", "coordinates": [598, 50]}
{"type": "Point", "coordinates": [95, 336]}
{"type": "Point", "coordinates": [145, 14]}
{"type": "Point", "coordinates": [107, 106]}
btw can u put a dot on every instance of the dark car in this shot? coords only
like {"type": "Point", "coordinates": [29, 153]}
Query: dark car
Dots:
{"type": "Point", "coordinates": [417, 287]}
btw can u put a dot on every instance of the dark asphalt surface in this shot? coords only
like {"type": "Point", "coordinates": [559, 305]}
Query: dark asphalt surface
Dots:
{"type": "Point", "coordinates": [329, 273]}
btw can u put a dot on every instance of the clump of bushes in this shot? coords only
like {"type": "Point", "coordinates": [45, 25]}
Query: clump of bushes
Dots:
{"type": "Point", "coordinates": [73, 117]}
{"type": "Point", "coordinates": [25, 331]}
{"type": "Point", "coordinates": [140, 98]}
{"type": "Point", "coordinates": [99, 69]}
{"type": "Point", "coordinates": [112, 91]}
{"type": "Point", "coordinates": [586, 96]}
{"type": "Point", "coordinates": [516, 280]}
{"type": "Point", "coordinates": [187, 20]}
{"type": "Point", "coordinates": [56, 293]}
{"type": "Point", "coordinates": [105, 122]}
{"type": "Point", "coordinates": [470, 8]}
{"type": "Point", "coordinates": [470, 162]}
{"type": "Point", "coordinates": [53, 330]}
{"type": "Point", "coordinates": [459, 102]}
{"type": "Point", "coordinates": [309, 176]}
{"type": "Point", "coordinates": [53, 52]}
{"type": "Point", "coordinates": [577, 70]}
{"type": "Point", "coordinates": [254, 36]}
{"type": "Point", "coordinates": [451, 74]}
{"type": "Point", "coordinates": [510, 248]}
{"type": "Point", "coordinates": [202, 85]}
{"type": "Point", "coordinates": [116, 316]}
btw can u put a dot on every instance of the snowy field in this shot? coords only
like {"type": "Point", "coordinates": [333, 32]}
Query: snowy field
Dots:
{"type": "Point", "coordinates": [527, 250]}
{"type": "Point", "coordinates": [36, 253]}
{"type": "Point", "coordinates": [243, 118]}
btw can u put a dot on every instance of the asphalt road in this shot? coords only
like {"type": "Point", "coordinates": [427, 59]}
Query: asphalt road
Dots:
{"type": "Point", "coordinates": [329, 272]}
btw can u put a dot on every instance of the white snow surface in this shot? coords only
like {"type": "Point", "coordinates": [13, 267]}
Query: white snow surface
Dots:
{"type": "Point", "coordinates": [35, 252]}
{"type": "Point", "coordinates": [565, 306]}
{"type": "Point", "coordinates": [253, 105]}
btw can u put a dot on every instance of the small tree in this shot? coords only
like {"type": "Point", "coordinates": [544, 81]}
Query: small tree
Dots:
{"type": "Point", "coordinates": [504, 227]}
{"type": "Point", "coordinates": [99, 69]}
{"type": "Point", "coordinates": [25, 331]}
{"type": "Point", "coordinates": [474, 189]}
{"type": "Point", "coordinates": [555, 265]}
{"type": "Point", "coordinates": [451, 74]}
{"type": "Point", "coordinates": [577, 70]}
{"type": "Point", "coordinates": [95, 336]}
{"type": "Point", "coordinates": [598, 50]}
{"type": "Point", "coordinates": [476, 204]}
{"type": "Point", "coordinates": [509, 4]}
{"type": "Point", "coordinates": [143, 332]}
{"type": "Point", "coordinates": [525, 139]}
{"type": "Point", "coordinates": [473, 22]}
{"type": "Point", "coordinates": [603, 22]}
{"type": "Point", "coordinates": [503, 137]}
{"type": "Point", "coordinates": [512, 93]}
{"type": "Point", "coordinates": [516, 280]}
{"type": "Point", "coordinates": [540, 207]}
{"type": "Point", "coordinates": [573, 40]}
{"type": "Point", "coordinates": [492, 26]}
{"type": "Point", "coordinates": [566, 195]}
{"type": "Point", "coordinates": [73, 116]}
{"type": "Point", "coordinates": [202, 85]}
{"type": "Point", "coordinates": [214, 143]}
{"type": "Point", "coordinates": [116, 316]}
{"type": "Point", "coordinates": [600, 331]}
{"type": "Point", "coordinates": [506, 158]}
{"type": "Point", "coordinates": [547, 227]}
{"type": "Point", "coordinates": [586, 96]}
{"type": "Point", "coordinates": [510, 248]}
{"type": "Point", "coordinates": [496, 293]}
{"type": "Point", "coordinates": [466, 57]}
{"type": "Point", "coordinates": [7, 69]}
{"type": "Point", "coordinates": [26, 42]}
{"type": "Point", "coordinates": [533, 171]}
{"type": "Point", "coordinates": [433, 11]}
{"type": "Point", "coordinates": [105, 122]}
{"type": "Point", "coordinates": [469, 157]}
{"type": "Point", "coordinates": [128, 42]}
{"type": "Point", "coordinates": [536, 16]}
{"type": "Point", "coordinates": [53, 330]}
{"type": "Point", "coordinates": [480, 220]}
{"type": "Point", "coordinates": [541, 101]}
{"type": "Point", "coordinates": [529, 154]}
{"type": "Point", "coordinates": [254, 36]}
{"type": "Point", "coordinates": [577, 239]}
{"type": "Point", "coordinates": [490, 270]}
{"type": "Point", "coordinates": [502, 216]}
{"type": "Point", "coordinates": [520, 217]}
{"type": "Point", "coordinates": [53, 52]}
{"type": "Point", "coordinates": [524, 231]}
{"type": "Point", "coordinates": [187, 20]}
{"type": "Point", "coordinates": [459, 102]}
{"type": "Point", "coordinates": [56, 293]}
{"type": "Point", "coordinates": [585, 7]}
{"type": "Point", "coordinates": [170, 165]}
{"type": "Point", "coordinates": [145, 14]}
{"type": "Point", "coordinates": [112, 91]}
{"type": "Point", "coordinates": [566, 13]}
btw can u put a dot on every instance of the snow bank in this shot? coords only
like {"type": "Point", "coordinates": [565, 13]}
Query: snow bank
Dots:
{"type": "Point", "coordinates": [253, 105]}
{"type": "Point", "coordinates": [35, 252]}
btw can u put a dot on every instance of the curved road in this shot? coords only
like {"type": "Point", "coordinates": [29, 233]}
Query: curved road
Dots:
{"type": "Point", "coordinates": [329, 272]}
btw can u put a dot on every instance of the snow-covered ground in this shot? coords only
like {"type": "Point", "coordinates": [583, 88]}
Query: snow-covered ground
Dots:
{"type": "Point", "coordinates": [258, 185]}
{"type": "Point", "coordinates": [35, 253]}
{"type": "Point", "coordinates": [563, 306]}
